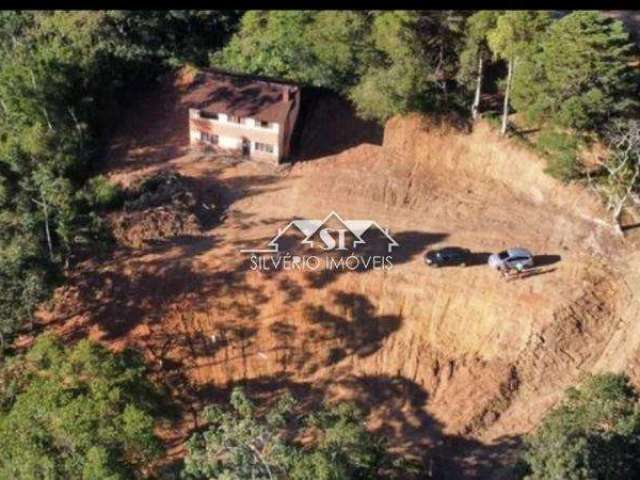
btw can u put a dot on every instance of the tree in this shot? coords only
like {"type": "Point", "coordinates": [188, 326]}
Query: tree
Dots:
{"type": "Point", "coordinates": [579, 76]}
{"type": "Point", "coordinates": [511, 40]}
{"type": "Point", "coordinates": [75, 413]}
{"type": "Point", "coordinates": [316, 48]}
{"type": "Point", "coordinates": [341, 47]}
{"type": "Point", "coordinates": [561, 150]}
{"type": "Point", "coordinates": [618, 178]}
{"type": "Point", "coordinates": [170, 36]}
{"type": "Point", "coordinates": [64, 76]}
{"type": "Point", "coordinates": [593, 434]}
{"type": "Point", "coordinates": [386, 62]}
{"type": "Point", "coordinates": [241, 443]}
{"type": "Point", "coordinates": [23, 285]}
{"type": "Point", "coordinates": [476, 52]}
{"type": "Point", "coordinates": [395, 78]}
{"type": "Point", "coordinates": [441, 33]}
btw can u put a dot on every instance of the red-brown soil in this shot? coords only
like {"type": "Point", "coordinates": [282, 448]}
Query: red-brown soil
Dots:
{"type": "Point", "coordinates": [453, 365]}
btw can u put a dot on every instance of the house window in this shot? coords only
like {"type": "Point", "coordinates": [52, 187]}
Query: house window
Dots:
{"type": "Point", "coordinates": [233, 119]}
{"type": "Point", "coordinates": [264, 147]}
{"type": "Point", "coordinates": [209, 138]}
{"type": "Point", "coordinates": [264, 124]}
{"type": "Point", "coordinates": [209, 115]}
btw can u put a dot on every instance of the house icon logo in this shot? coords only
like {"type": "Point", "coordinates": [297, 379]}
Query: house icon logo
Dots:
{"type": "Point", "coordinates": [332, 233]}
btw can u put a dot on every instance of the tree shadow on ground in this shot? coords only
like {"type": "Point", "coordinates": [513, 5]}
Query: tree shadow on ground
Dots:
{"type": "Point", "coordinates": [319, 339]}
{"type": "Point", "coordinates": [410, 244]}
{"type": "Point", "coordinates": [353, 328]}
{"type": "Point", "coordinates": [150, 132]}
{"type": "Point", "coordinates": [327, 335]}
{"type": "Point", "coordinates": [327, 124]}
{"type": "Point", "coordinates": [396, 410]}
{"type": "Point", "coordinates": [162, 283]}
{"type": "Point", "coordinates": [630, 226]}
{"type": "Point", "coordinates": [128, 287]}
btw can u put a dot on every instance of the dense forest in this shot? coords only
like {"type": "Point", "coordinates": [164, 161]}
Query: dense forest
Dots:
{"type": "Point", "coordinates": [65, 78]}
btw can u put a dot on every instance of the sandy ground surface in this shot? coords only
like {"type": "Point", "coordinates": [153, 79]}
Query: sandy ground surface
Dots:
{"type": "Point", "coordinates": [453, 365]}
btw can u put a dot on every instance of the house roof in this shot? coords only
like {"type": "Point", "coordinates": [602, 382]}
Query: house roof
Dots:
{"type": "Point", "coordinates": [217, 91]}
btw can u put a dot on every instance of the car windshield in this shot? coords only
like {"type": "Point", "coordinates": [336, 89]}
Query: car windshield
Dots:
{"type": "Point", "coordinates": [503, 255]}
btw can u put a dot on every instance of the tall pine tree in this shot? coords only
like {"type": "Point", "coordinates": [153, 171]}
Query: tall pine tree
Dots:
{"type": "Point", "coordinates": [580, 75]}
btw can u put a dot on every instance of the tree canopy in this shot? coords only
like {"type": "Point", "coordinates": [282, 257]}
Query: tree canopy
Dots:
{"type": "Point", "coordinates": [75, 413]}
{"type": "Point", "coordinates": [594, 433]}
{"type": "Point", "coordinates": [243, 442]}
{"type": "Point", "coordinates": [64, 76]}
{"type": "Point", "coordinates": [579, 74]}
{"type": "Point", "coordinates": [386, 62]}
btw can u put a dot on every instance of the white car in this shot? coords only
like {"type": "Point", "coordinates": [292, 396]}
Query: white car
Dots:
{"type": "Point", "coordinates": [518, 258]}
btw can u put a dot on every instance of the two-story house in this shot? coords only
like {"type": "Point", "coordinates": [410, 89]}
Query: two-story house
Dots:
{"type": "Point", "coordinates": [251, 115]}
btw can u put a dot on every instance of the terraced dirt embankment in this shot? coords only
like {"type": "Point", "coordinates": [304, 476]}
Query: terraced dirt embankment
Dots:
{"type": "Point", "coordinates": [458, 360]}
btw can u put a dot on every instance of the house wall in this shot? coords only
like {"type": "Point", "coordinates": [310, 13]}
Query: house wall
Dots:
{"type": "Point", "coordinates": [230, 134]}
{"type": "Point", "coordinates": [290, 123]}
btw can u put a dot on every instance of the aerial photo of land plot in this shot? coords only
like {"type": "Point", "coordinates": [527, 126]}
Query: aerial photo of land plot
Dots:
{"type": "Point", "coordinates": [333, 245]}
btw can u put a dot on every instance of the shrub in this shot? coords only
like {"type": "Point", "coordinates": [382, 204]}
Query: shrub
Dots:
{"type": "Point", "coordinates": [561, 152]}
{"type": "Point", "coordinates": [102, 194]}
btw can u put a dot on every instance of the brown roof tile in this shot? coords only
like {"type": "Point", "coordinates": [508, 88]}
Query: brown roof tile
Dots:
{"type": "Point", "coordinates": [216, 91]}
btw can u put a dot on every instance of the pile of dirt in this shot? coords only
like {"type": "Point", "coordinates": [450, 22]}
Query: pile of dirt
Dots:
{"type": "Point", "coordinates": [160, 207]}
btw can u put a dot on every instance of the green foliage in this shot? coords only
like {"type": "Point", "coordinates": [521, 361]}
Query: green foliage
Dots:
{"type": "Point", "coordinates": [101, 194]}
{"type": "Point", "coordinates": [344, 449]}
{"type": "Point", "coordinates": [561, 150]}
{"type": "Point", "coordinates": [476, 47]}
{"type": "Point", "coordinates": [63, 74]}
{"type": "Point", "coordinates": [45, 146]}
{"type": "Point", "coordinates": [579, 75]}
{"type": "Point", "coordinates": [514, 37]}
{"type": "Point", "coordinates": [393, 83]}
{"type": "Point", "coordinates": [23, 285]}
{"type": "Point", "coordinates": [386, 62]}
{"type": "Point", "coordinates": [75, 413]}
{"type": "Point", "coordinates": [594, 433]}
{"type": "Point", "coordinates": [316, 48]}
{"type": "Point", "coordinates": [239, 444]}
{"type": "Point", "coordinates": [242, 443]}
{"type": "Point", "coordinates": [516, 33]}
{"type": "Point", "coordinates": [172, 37]}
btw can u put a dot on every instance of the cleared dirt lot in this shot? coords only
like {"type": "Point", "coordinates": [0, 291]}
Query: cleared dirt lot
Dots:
{"type": "Point", "coordinates": [457, 360]}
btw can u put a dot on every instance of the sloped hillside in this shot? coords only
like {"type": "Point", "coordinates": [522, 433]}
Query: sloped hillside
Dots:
{"type": "Point", "coordinates": [458, 360]}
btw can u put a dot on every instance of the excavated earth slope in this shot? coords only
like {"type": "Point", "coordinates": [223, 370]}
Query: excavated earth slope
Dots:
{"type": "Point", "coordinates": [456, 360]}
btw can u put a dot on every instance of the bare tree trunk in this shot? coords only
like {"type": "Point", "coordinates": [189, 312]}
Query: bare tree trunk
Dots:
{"type": "Point", "coordinates": [476, 98]}
{"type": "Point", "coordinates": [75, 120]}
{"type": "Point", "coordinates": [445, 91]}
{"type": "Point", "coordinates": [46, 117]}
{"type": "Point", "coordinates": [45, 211]}
{"type": "Point", "coordinates": [507, 92]}
{"type": "Point", "coordinates": [617, 213]}
{"type": "Point", "coordinates": [440, 73]}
